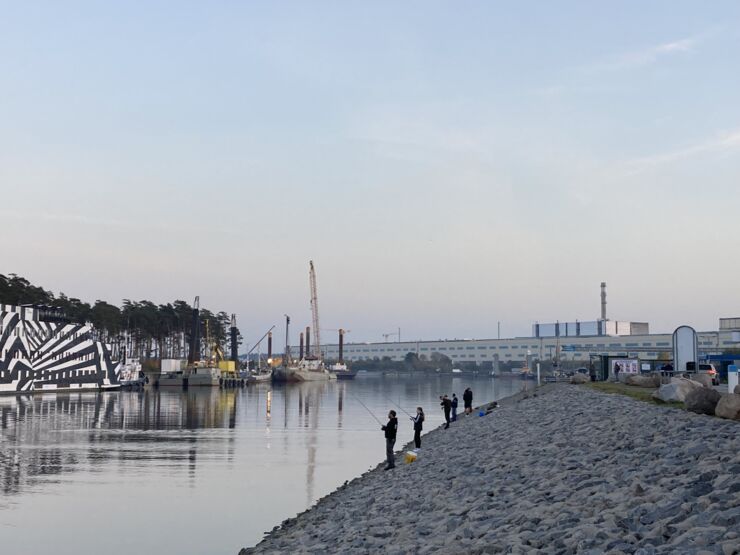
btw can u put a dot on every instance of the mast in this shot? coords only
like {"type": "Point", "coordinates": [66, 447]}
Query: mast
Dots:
{"type": "Point", "coordinates": [315, 311]}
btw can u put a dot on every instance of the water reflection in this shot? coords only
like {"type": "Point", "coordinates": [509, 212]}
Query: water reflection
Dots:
{"type": "Point", "coordinates": [260, 454]}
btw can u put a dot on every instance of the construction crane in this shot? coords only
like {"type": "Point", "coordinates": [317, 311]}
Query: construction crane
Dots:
{"type": "Point", "coordinates": [393, 334]}
{"type": "Point", "coordinates": [315, 311]}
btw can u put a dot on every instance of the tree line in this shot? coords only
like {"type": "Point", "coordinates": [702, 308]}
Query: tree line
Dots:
{"type": "Point", "coordinates": [143, 327]}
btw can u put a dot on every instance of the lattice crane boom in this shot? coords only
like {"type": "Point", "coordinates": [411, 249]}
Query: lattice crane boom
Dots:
{"type": "Point", "coordinates": [315, 311]}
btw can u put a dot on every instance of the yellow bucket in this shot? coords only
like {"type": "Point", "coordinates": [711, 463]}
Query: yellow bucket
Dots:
{"type": "Point", "coordinates": [410, 457]}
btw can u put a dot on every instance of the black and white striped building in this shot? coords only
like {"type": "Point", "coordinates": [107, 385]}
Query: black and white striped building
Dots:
{"type": "Point", "coordinates": [42, 351]}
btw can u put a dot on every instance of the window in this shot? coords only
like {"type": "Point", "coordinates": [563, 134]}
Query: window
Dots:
{"type": "Point", "coordinates": [662, 344]}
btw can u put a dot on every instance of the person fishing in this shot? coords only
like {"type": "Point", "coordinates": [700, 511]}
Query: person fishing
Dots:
{"type": "Point", "coordinates": [446, 405]}
{"type": "Point", "coordinates": [390, 439]}
{"type": "Point", "coordinates": [468, 400]}
{"type": "Point", "coordinates": [454, 407]}
{"type": "Point", "coordinates": [418, 421]}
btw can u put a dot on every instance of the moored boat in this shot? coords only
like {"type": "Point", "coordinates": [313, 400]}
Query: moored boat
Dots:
{"type": "Point", "coordinates": [342, 372]}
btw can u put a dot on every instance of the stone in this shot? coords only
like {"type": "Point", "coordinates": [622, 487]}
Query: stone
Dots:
{"type": "Point", "coordinates": [579, 378]}
{"type": "Point", "coordinates": [736, 391]}
{"type": "Point", "coordinates": [702, 401]}
{"type": "Point", "coordinates": [703, 379]}
{"type": "Point", "coordinates": [728, 407]}
{"type": "Point", "coordinates": [676, 390]}
{"type": "Point", "coordinates": [644, 380]}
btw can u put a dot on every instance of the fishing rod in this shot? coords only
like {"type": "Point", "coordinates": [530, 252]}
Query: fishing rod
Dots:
{"type": "Point", "coordinates": [367, 409]}
{"type": "Point", "coordinates": [399, 406]}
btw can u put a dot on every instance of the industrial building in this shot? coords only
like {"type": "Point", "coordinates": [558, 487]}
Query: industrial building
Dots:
{"type": "Point", "coordinates": [565, 342]}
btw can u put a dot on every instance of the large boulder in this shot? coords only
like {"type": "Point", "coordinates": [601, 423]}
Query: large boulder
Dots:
{"type": "Point", "coordinates": [703, 379]}
{"type": "Point", "coordinates": [728, 406]}
{"type": "Point", "coordinates": [702, 400]}
{"type": "Point", "coordinates": [644, 380]}
{"type": "Point", "coordinates": [676, 390]}
{"type": "Point", "coordinates": [579, 378]}
{"type": "Point", "coordinates": [736, 391]}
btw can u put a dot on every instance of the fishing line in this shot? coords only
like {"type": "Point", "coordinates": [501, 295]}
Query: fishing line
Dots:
{"type": "Point", "coordinates": [367, 409]}
{"type": "Point", "coordinates": [399, 406]}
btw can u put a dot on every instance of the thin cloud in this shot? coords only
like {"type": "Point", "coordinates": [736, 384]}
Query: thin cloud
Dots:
{"type": "Point", "coordinates": [726, 142]}
{"type": "Point", "coordinates": [653, 54]}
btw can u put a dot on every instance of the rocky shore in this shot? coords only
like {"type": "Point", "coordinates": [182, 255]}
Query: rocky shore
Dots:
{"type": "Point", "coordinates": [562, 470]}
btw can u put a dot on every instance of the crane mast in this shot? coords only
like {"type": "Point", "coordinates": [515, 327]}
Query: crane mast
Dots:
{"type": "Point", "coordinates": [315, 312]}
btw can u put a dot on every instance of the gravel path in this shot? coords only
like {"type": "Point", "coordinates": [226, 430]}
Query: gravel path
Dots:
{"type": "Point", "coordinates": [567, 470]}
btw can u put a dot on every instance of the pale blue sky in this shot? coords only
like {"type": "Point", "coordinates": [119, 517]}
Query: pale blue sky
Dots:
{"type": "Point", "coordinates": [446, 164]}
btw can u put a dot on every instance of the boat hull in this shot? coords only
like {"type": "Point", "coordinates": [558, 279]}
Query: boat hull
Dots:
{"type": "Point", "coordinates": [297, 375]}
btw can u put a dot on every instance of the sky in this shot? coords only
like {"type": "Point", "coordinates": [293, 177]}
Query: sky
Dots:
{"type": "Point", "coordinates": [446, 165]}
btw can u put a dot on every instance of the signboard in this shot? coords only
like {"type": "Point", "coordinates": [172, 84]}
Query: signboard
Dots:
{"type": "Point", "coordinates": [684, 348]}
{"type": "Point", "coordinates": [625, 365]}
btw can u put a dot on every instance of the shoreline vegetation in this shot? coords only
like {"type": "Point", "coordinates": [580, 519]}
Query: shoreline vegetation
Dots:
{"type": "Point", "coordinates": [557, 469]}
{"type": "Point", "coordinates": [147, 329]}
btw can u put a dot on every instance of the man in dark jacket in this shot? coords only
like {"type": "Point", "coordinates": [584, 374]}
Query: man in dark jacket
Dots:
{"type": "Point", "coordinates": [468, 400]}
{"type": "Point", "coordinates": [454, 407]}
{"type": "Point", "coordinates": [446, 405]}
{"type": "Point", "coordinates": [390, 439]}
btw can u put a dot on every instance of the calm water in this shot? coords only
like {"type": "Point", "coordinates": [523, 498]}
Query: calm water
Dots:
{"type": "Point", "coordinates": [201, 471]}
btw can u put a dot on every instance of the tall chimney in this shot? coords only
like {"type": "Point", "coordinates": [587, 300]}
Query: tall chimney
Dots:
{"type": "Point", "coordinates": [341, 345]}
{"type": "Point", "coordinates": [308, 341]}
{"type": "Point", "coordinates": [300, 357]}
{"type": "Point", "coordinates": [603, 300]}
{"type": "Point", "coordinates": [269, 345]}
{"type": "Point", "coordinates": [194, 355]}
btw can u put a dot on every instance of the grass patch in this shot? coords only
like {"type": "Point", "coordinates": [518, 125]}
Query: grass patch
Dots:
{"type": "Point", "coordinates": [640, 393]}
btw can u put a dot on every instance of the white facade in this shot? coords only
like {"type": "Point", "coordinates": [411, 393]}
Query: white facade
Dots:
{"type": "Point", "coordinates": [538, 348]}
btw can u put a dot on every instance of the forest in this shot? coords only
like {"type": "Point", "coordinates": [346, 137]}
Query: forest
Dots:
{"type": "Point", "coordinates": [147, 329]}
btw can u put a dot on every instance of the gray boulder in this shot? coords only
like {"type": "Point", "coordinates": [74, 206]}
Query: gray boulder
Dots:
{"type": "Point", "coordinates": [644, 380]}
{"type": "Point", "coordinates": [703, 379]}
{"type": "Point", "coordinates": [736, 391]}
{"type": "Point", "coordinates": [728, 407]}
{"type": "Point", "coordinates": [702, 400]}
{"type": "Point", "coordinates": [676, 390]}
{"type": "Point", "coordinates": [579, 378]}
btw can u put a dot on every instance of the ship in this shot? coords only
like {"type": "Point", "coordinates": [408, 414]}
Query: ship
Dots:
{"type": "Point", "coordinates": [310, 368]}
{"type": "Point", "coordinates": [42, 350]}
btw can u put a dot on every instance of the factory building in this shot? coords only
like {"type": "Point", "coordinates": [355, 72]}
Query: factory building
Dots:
{"type": "Point", "coordinates": [537, 348]}
{"type": "Point", "coordinates": [567, 341]}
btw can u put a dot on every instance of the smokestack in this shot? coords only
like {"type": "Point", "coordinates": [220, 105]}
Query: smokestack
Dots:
{"type": "Point", "coordinates": [603, 300]}
{"type": "Point", "coordinates": [269, 345]}
{"type": "Point", "coordinates": [234, 342]}
{"type": "Point", "coordinates": [308, 341]}
{"type": "Point", "coordinates": [300, 357]}
{"type": "Point", "coordinates": [341, 345]}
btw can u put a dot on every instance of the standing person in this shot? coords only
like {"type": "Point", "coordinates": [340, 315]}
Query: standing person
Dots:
{"type": "Point", "coordinates": [390, 439]}
{"type": "Point", "coordinates": [617, 369]}
{"type": "Point", "coordinates": [447, 407]}
{"type": "Point", "coordinates": [468, 400]}
{"type": "Point", "coordinates": [454, 407]}
{"type": "Point", "coordinates": [418, 422]}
